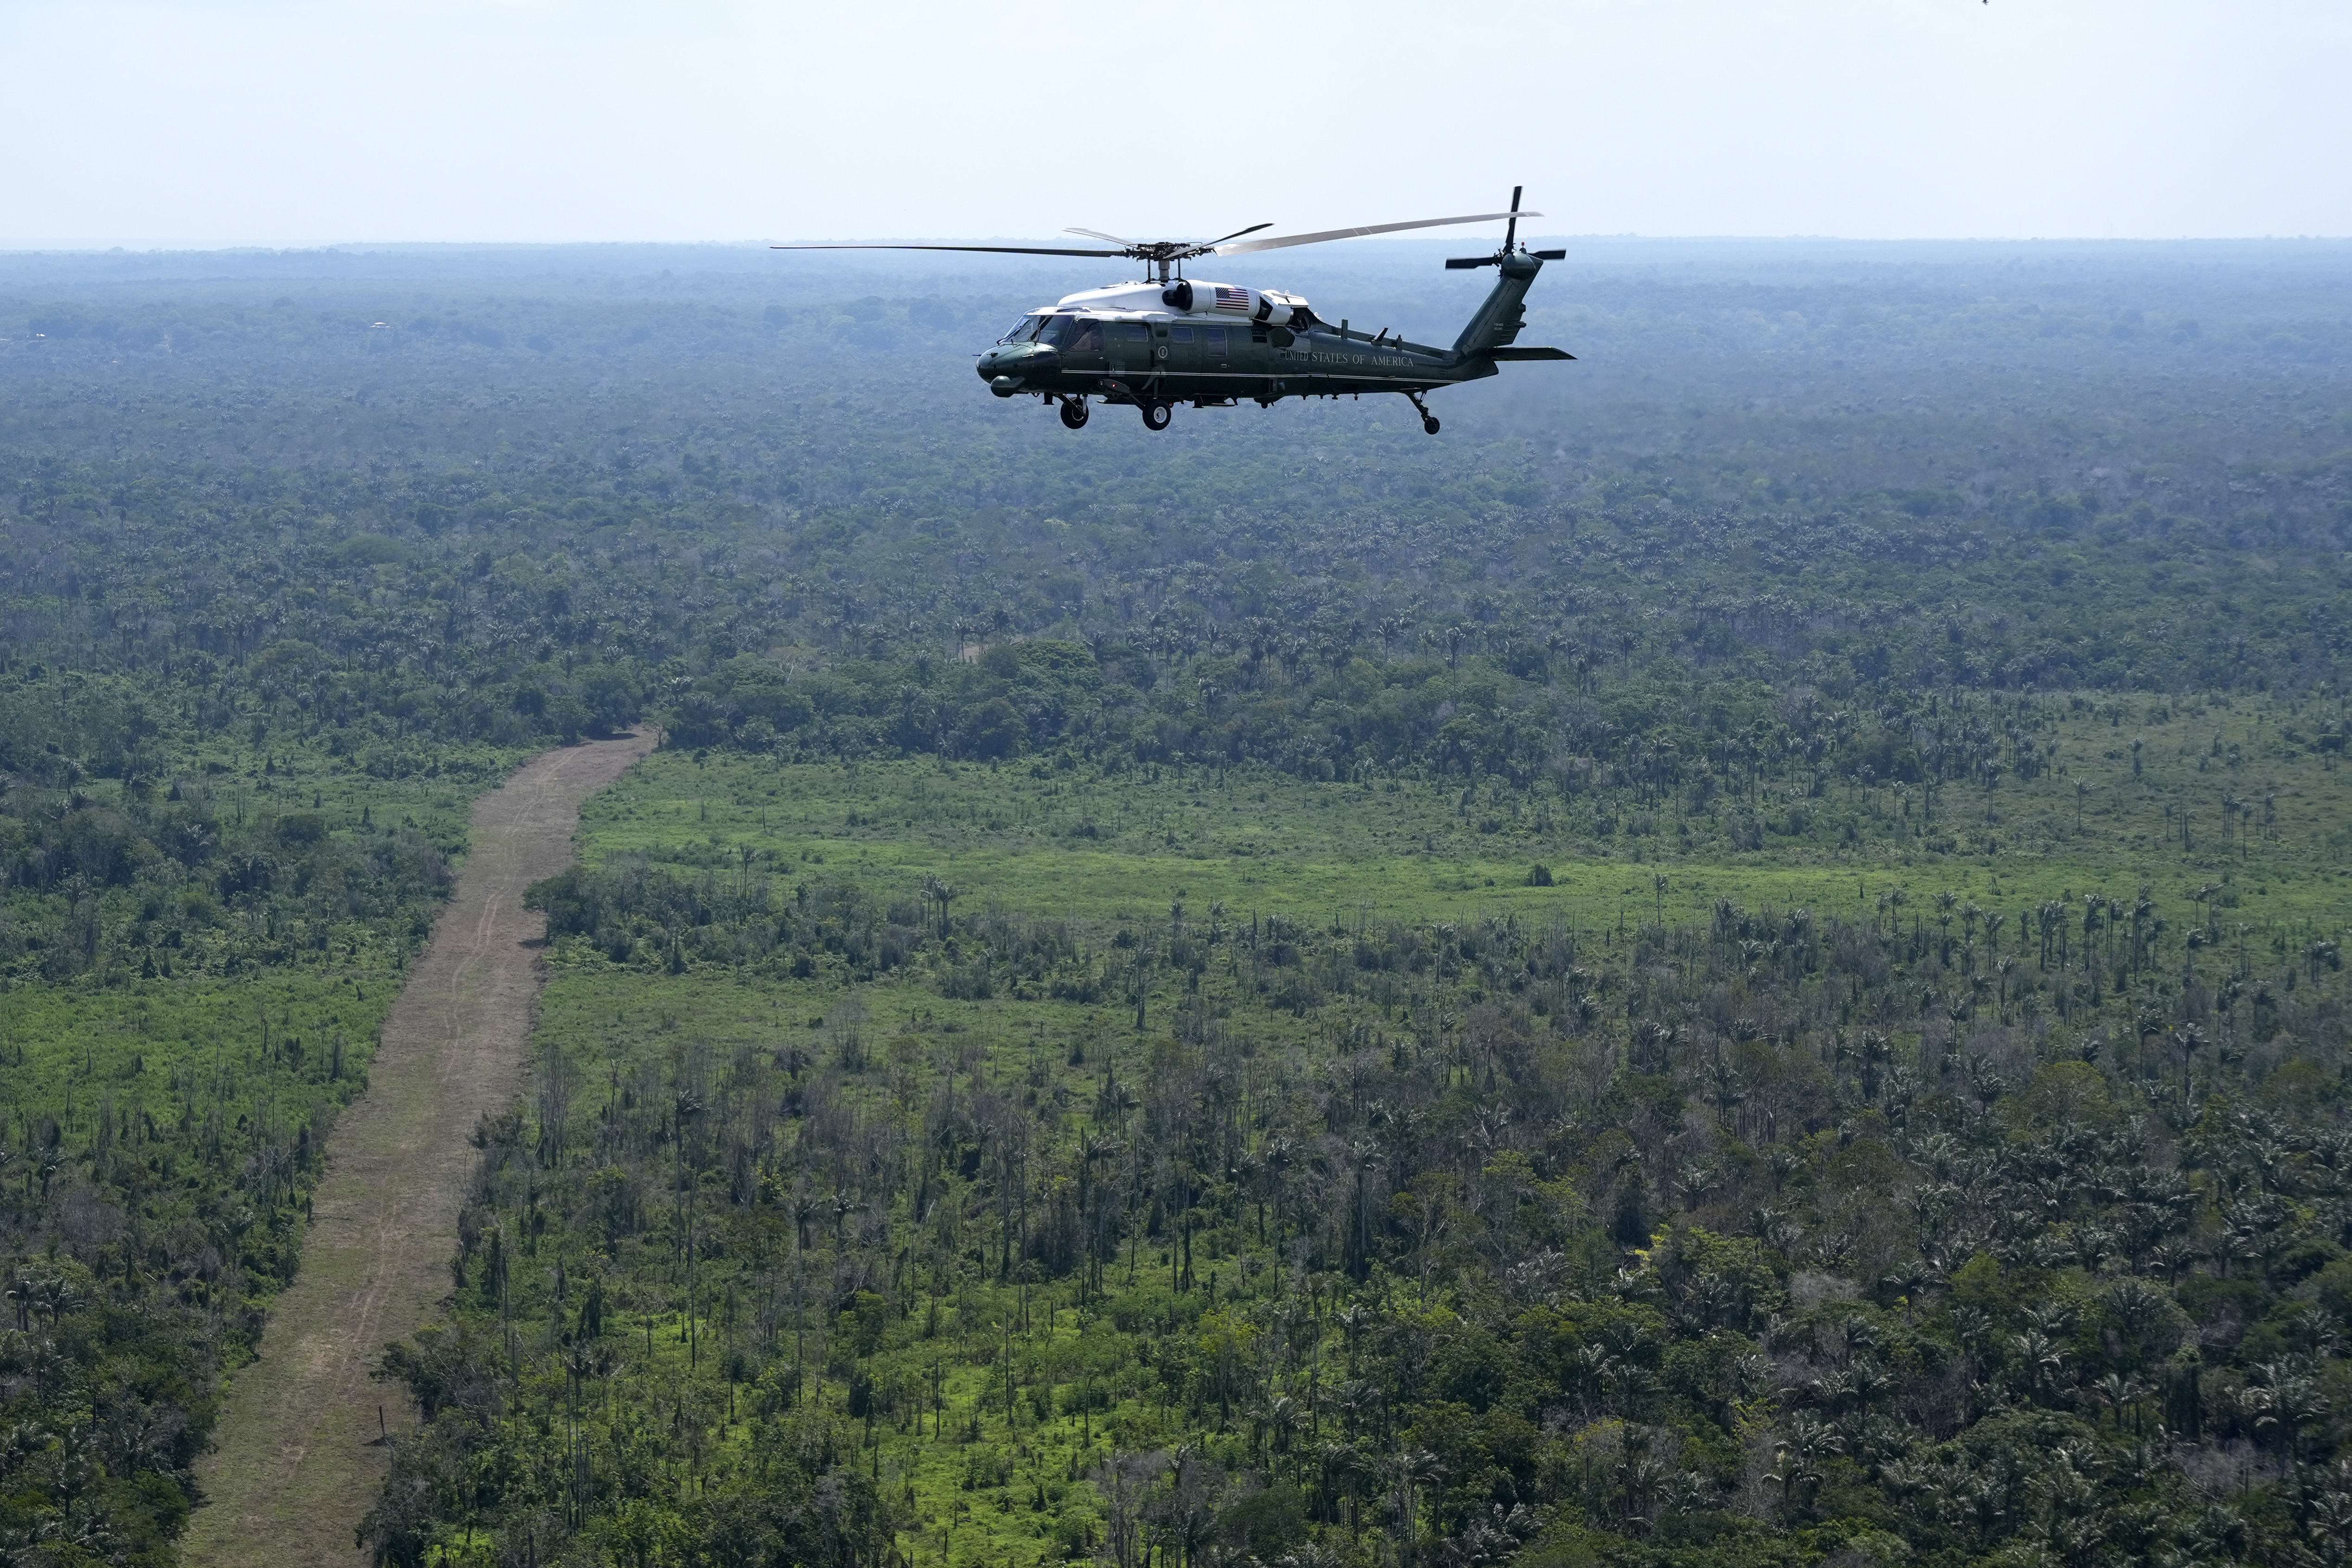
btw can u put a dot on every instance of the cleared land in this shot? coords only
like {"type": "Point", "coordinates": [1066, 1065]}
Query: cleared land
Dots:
{"type": "Point", "coordinates": [297, 1461]}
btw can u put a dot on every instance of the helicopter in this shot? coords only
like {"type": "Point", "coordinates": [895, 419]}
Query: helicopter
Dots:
{"type": "Point", "coordinates": [1155, 344]}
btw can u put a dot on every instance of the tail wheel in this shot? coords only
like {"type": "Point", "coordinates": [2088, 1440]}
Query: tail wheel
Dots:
{"type": "Point", "coordinates": [1074, 413]}
{"type": "Point", "coordinates": [1429, 422]}
{"type": "Point", "coordinates": [1156, 416]}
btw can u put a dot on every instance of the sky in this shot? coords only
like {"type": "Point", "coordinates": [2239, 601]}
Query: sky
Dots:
{"type": "Point", "coordinates": [303, 122]}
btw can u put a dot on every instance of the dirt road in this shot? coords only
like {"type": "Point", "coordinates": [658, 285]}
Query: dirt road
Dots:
{"type": "Point", "coordinates": [295, 1463]}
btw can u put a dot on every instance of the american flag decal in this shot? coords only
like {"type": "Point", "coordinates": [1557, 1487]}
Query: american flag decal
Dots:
{"type": "Point", "coordinates": [1231, 299]}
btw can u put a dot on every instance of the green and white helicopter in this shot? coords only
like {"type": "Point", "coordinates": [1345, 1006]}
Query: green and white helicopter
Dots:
{"type": "Point", "coordinates": [1156, 343]}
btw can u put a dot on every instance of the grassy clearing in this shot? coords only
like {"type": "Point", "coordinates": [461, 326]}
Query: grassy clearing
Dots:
{"type": "Point", "coordinates": [1040, 836]}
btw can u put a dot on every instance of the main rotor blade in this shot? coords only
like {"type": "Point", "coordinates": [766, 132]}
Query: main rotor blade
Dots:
{"type": "Point", "coordinates": [990, 249]}
{"type": "Point", "coordinates": [1097, 234]}
{"type": "Point", "coordinates": [1249, 244]}
{"type": "Point", "coordinates": [1209, 244]}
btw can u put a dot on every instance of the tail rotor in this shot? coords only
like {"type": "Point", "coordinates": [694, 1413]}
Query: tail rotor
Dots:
{"type": "Point", "coordinates": [1510, 242]}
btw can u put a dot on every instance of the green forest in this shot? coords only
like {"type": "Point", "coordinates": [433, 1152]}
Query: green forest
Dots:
{"type": "Point", "coordinates": [1736, 962]}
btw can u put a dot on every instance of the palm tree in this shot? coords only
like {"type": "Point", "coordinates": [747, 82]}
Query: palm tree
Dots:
{"type": "Point", "coordinates": [2118, 1392]}
{"type": "Point", "coordinates": [2041, 1359]}
{"type": "Point", "coordinates": [1878, 1050]}
{"type": "Point", "coordinates": [2095, 908]}
{"type": "Point", "coordinates": [2203, 896]}
{"type": "Point", "coordinates": [1093, 1148]}
{"type": "Point", "coordinates": [2190, 1039]}
{"type": "Point", "coordinates": [1408, 1471]}
{"type": "Point", "coordinates": [843, 1206]}
{"type": "Point", "coordinates": [1799, 1459]}
{"type": "Point", "coordinates": [942, 893]}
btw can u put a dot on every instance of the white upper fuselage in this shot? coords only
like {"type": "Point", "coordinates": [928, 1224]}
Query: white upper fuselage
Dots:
{"type": "Point", "coordinates": [1212, 301]}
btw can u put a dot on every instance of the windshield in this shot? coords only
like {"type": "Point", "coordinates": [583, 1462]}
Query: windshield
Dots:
{"type": "Point", "coordinates": [1023, 330]}
{"type": "Point", "coordinates": [1074, 333]}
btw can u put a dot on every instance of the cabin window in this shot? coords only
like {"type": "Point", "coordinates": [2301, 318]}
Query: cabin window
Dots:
{"type": "Point", "coordinates": [1216, 339]}
{"type": "Point", "coordinates": [1135, 331]}
{"type": "Point", "coordinates": [1181, 334]}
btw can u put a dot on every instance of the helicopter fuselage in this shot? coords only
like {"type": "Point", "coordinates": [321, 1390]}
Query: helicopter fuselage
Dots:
{"type": "Point", "coordinates": [1208, 344]}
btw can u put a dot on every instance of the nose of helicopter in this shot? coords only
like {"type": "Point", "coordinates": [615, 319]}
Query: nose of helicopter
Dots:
{"type": "Point", "coordinates": [1006, 367]}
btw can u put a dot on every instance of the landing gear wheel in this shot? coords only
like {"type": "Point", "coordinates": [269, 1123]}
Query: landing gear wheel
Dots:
{"type": "Point", "coordinates": [1074, 413]}
{"type": "Point", "coordinates": [1428, 420]}
{"type": "Point", "coordinates": [1156, 416]}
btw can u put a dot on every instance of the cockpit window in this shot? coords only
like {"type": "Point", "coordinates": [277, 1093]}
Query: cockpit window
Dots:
{"type": "Point", "coordinates": [1023, 330]}
{"type": "Point", "coordinates": [1074, 333]}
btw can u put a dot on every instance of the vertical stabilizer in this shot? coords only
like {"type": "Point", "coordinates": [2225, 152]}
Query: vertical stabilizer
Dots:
{"type": "Point", "coordinates": [1498, 321]}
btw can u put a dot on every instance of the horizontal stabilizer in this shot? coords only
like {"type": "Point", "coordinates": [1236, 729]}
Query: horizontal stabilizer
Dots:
{"type": "Point", "coordinates": [1528, 353]}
